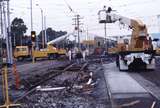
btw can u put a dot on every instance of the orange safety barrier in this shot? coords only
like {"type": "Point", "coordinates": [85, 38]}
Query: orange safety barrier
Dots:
{"type": "Point", "coordinates": [17, 77]}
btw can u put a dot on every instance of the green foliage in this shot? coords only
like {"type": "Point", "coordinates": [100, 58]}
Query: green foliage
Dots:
{"type": "Point", "coordinates": [18, 28]}
{"type": "Point", "coordinates": [51, 35]}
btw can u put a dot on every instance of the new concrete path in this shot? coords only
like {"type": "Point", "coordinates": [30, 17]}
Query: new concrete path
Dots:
{"type": "Point", "coordinates": [121, 83]}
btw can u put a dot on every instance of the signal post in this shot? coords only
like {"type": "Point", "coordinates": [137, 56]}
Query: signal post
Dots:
{"type": "Point", "coordinates": [33, 38]}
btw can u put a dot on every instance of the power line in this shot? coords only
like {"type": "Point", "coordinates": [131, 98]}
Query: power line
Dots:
{"type": "Point", "coordinates": [134, 3]}
{"type": "Point", "coordinates": [69, 7]}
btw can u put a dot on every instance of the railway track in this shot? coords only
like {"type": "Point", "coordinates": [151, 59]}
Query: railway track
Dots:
{"type": "Point", "coordinates": [51, 75]}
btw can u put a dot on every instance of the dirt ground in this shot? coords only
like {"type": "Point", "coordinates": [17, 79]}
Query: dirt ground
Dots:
{"type": "Point", "coordinates": [27, 72]}
{"type": "Point", "coordinates": [96, 97]}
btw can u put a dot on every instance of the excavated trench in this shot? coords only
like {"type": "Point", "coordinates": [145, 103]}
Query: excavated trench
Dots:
{"type": "Point", "coordinates": [90, 97]}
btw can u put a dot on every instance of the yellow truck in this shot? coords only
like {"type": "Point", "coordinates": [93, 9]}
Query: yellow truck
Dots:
{"type": "Point", "coordinates": [22, 52]}
{"type": "Point", "coordinates": [50, 52]}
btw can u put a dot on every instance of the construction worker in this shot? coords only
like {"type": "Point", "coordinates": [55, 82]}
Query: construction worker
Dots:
{"type": "Point", "coordinates": [79, 56]}
{"type": "Point", "coordinates": [84, 55]}
{"type": "Point", "coordinates": [74, 52]}
{"type": "Point", "coordinates": [70, 55]}
{"type": "Point", "coordinates": [87, 52]}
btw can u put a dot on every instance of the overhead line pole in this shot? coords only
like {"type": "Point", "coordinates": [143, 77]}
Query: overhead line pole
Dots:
{"type": "Point", "coordinates": [1, 19]}
{"type": "Point", "coordinates": [105, 37]}
{"type": "Point", "coordinates": [104, 20]}
{"type": "Point", "coordinates": [42, 31]}
{"type": "Point", "coordinates": [43, 41]}
{"type": "Point", "coordinates": [78, 31]}
{"type": "Point", "coordinates": [77, 24]}
{"type": "Point", "coordinates": [6, 33]}
{"type": "Point", "coordinates": [31, 14]}
{"type": "Point", "coordinates": [9, 34]}
{"type": "Point", "coordinates": [45, 32]}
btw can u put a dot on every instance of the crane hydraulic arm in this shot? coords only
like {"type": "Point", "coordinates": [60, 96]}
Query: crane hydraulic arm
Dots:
{"type": "Point", "coordinates": [137, 53]}
{"type": "Point", "coordinates": [140, 40]}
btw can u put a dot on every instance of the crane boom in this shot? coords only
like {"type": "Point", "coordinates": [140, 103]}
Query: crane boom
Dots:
{"type": "Point", "coordinates": [139, 31]}
{"type": "Point", "coordinates": [137, 53]}
{"type": "Point", "coordinates": [59, 39]}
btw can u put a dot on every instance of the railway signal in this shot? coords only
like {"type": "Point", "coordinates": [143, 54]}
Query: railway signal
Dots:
{"type": "Point", "coordinates": [33, 36]}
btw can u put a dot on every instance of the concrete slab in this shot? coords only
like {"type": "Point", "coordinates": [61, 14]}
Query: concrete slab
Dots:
{"type": "Point", "coordinates": [121, 82]}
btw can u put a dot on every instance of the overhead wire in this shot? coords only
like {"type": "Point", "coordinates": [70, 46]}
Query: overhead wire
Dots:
{"type": "Point", "coordinates": [135, 3]}
{"type": "Point", "coordinates": [94, 15]}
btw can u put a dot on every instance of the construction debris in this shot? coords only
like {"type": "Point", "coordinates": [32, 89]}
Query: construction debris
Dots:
{"type": "Point", "coordinates": [153, 104]}
{"type": "Point", "coordinates": [77, 88]}
{"type": "Point", "coordinates": [86, 86]}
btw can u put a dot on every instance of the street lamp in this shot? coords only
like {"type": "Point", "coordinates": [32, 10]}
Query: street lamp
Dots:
{"type": "Point", "coordinates": [43, 41]}
{"type": "Point", "coordinates": [31, 15]}
{"type": "Point", "coordinates": [158, 17]}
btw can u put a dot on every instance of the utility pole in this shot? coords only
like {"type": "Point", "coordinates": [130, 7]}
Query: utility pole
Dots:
{"type": "Point", "coordinates": [158, 17]}
{"type": "Point", "coordinates": [43, 42]}
{"type": "Point", "coordinates": [77, 16]}
{"type": "Point", "coordinates": [45, 32]}
{"type": "Point", "coordinates": [77, 24]}
{"type": "Point", "coordinates": [87, 34]}
{"type": "Point", "coordinates": [105, 37]}
{"type": "Point", "coordinates": [31, 16]}
{"type": "Point", "coordinates": [9, 34]}
{"type": "Point", "coordinates": [103, 19]}
{"type": "Point", "coordinates": [2, 36]}
{"type": "Point", "coordinates": [42, 22]}
{"type": "Point", "coordinates": [7, 30]}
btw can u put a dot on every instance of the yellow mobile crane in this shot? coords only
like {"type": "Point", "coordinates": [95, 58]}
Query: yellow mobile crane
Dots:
{"type": "Point", "coordinates": [137, 52]}
{"type": "Point", "coordinates": [50, 51]}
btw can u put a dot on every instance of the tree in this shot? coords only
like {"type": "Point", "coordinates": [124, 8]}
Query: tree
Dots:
{"type": "Point", "coordinates": [18, 28]}
{"type": "Point", "coordinates": [51, 34]}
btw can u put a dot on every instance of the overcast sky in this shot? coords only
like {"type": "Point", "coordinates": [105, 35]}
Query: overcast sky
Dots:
{"type": "Point", "coordinates": [59, 17]}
